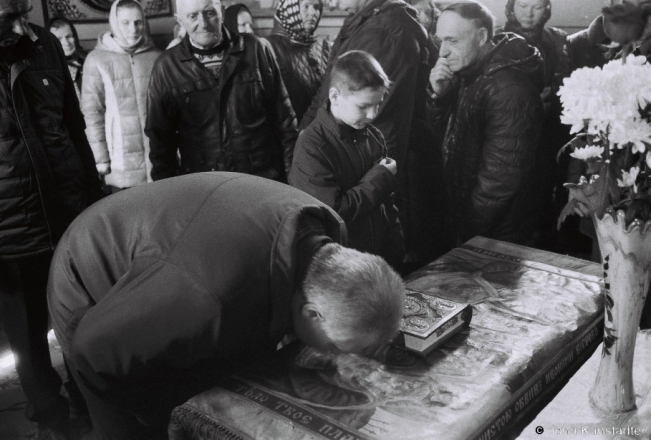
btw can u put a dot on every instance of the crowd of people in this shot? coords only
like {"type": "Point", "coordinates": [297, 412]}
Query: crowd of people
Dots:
{"type": "Point", "coordinates": [421, 126]}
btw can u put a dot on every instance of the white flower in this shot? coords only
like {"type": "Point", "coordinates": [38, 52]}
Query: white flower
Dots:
{"type": "Point", "coordinates": [632, 131]}
{"type": "Point", "coordinates": [628, 178]}
{"type": "Point", "coordinates": [587, 152]}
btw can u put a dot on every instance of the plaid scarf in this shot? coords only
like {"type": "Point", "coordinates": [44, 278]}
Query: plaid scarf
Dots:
{"type": "Point", "coordinates": [288, 13]}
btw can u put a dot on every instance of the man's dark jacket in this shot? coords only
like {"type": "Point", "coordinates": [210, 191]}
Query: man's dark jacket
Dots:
{"type": "Point", "coordinates": [47, 169]}
{"type": "Point", "coordinates": [339, 166]}
{"type": "Point", "coordinates": [388, 30]}
{"type": "Point", "coordinates": [151, 282]}
{"type": "Point", "coordinates": [492, 118]}
{"type": "Point", "coordinates": [242, 122]}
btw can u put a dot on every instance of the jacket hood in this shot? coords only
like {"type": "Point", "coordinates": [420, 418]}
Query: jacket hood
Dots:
{"type": "Point", "coordinates": [532, 36]}
{"type": "Point", "coordinates": [510, 51]}
{"type": "Point", "coordinates": [376, 7]}
{"type": "Point", "coordinates": [114, 41]}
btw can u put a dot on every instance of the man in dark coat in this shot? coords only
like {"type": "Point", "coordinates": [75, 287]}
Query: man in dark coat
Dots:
{"type": "Point", "coordinates": [390, 32]}
{"type": "Point", "coordinates": [218, 99]}
{"type": "Point", "coordinates": [486, 98]}
{"type": "Point", "coordinates": [158, 291]}
{"type": "Point", "coordinates": [48, 177]}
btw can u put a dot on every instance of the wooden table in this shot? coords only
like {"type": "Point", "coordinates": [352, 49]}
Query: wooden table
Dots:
{"type": "Point", "coordinates": [536, 316]}
{"type": "Point", "coordinates": [569, 415]}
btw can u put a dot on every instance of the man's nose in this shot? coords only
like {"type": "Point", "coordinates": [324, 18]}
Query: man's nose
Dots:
{"type": "Point", "coordinates": [19, 26]}
{"type": "Point", "coordinates": [444, 51]}
{"type": "Point", "coordinates": [202, 21]}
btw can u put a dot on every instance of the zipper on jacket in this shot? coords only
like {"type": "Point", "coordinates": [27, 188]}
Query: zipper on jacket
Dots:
{"type": "Point", "coordinates": [38, 181]}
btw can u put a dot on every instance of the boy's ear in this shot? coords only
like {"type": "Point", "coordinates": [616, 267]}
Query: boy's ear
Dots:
{"type": "Point", "coordinates": [311, 311]}
{"type": "Point", "coordinates": [333, 94]}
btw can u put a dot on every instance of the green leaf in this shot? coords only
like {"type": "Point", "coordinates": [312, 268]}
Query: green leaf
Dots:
{"type": "Point", "coordinates": [567, 210]}
{"type": "Point", "coordinates": [604, 191]}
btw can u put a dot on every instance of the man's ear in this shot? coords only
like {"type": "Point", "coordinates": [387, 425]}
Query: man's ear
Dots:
{"type": "Point", "coordinates": [178, 19]}
{"type": "Point", "coordinates": [311, 311]}
{"type": "Point", "coordinates": [482, 35]}
{"type": "Point", "coordinates": [333, 95]}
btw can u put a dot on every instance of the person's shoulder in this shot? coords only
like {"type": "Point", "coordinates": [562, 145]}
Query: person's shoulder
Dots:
{"type": "Point", "coordinates": [313, 137]}
{"type": "Point", "coordinates": [170, 55]}
{"type": "Point", "coordinates": [44, 38]}
{"type": "Point", "coordinates": [557, 32]}
{"type": "Point", "coordinates": [42, 34]}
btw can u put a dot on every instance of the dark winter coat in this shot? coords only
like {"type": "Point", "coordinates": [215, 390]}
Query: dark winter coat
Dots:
{"type": "Point", "coordinates": [339, 166]}
{"type": "Point", "coordinates": [301, 65]}
{"type": "Point", "coordinates": [152, 282]}
{"type": "Point", "coordinates": [388, 30]}
{"type": "Point", "coordinates": [47, 170]}
{"type": "Point", "coordinates": [242, 122]}
{"type": "Point", "coordinates": [495, 114]}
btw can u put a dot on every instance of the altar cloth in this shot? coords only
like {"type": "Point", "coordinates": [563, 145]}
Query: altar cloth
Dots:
{"type": "Point", "coordinates": [535, 315]}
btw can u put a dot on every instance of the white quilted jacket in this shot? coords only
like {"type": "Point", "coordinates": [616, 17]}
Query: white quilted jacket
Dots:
{"type": "Point", "coordinates": [114, 103]}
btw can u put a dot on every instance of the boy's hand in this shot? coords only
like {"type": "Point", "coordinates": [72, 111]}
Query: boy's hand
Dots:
{"type": "Point", "coordinates": [103, 168]}
{"type": "Point", "coordinates": [440, 77]}
{"type": "Point", "coordinates": [389, 164]}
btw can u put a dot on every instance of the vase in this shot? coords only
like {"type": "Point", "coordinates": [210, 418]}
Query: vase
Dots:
{"type": "Point", "coordinates": [626, 254]}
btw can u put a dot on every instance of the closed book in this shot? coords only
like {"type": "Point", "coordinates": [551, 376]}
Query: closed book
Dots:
{"type": "Point", "coordinates": [429, 321]}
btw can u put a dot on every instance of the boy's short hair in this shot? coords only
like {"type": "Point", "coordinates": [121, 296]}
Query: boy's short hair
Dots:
{"type": "Point", "coordinates": [475, 12]}
{"type": "Point", "coordinates": [356, 70]}
{"type": "Point", "coordinates": [359, 292]}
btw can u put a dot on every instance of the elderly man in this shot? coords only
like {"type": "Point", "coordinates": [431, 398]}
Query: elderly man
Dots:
{"type": "Point", "coordinates": [388, 30]}
{"type": "Point", "coordinates": [48, 177]}
{"type": "Point", "coordinates": [486, 97]}
{"type": "Point", "coordinates": [219, 100]}
{"type": "Point", "coordinates": [158, 291]}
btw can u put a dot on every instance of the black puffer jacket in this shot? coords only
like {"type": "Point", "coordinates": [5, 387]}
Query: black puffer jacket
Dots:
{"type": "Point", "coordinates": [491, 141]}
{"type": "Point", "coordinates": [301, 66]}
{"type": "Point", "coordinates": [242, 122]}
{"type": "Point", "coordinates": [47, 169]}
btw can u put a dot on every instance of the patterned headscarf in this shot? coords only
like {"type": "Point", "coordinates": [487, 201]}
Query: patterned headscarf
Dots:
{"type": "Point", "coordinates": [288, 13]}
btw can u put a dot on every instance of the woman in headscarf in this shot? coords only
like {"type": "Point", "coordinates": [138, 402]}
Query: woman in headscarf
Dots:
{"type": "Point", "coordinates": [238, 19]}
{"type": "Point", "coordinates": [528, 18]}
{"type": "Point", "coordinates": [63, 29]}
{"type": "Point", "coordinates": [114, 97]}
{"type": "Point", "coordinates": [301, 56]}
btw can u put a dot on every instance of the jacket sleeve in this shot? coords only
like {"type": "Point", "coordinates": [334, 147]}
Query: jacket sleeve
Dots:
{"type": "Point", "coordinates": [74, 121]}
{"type": "Point", "coordinates": [313, 173]}
{"type": "Point", "coordinates": [161, 126]}
{"type": "Point", "coordinates": [513, 118]}
{"type": "Point", "coordinates": [279, 107]}
{"type": "Point", "coordinates": [93, 105]}
{"type": "Point", "coordinates": [152, 321]}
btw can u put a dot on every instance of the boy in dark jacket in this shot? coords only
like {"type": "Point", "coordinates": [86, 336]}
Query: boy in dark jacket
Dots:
{"type": "Point", "coordinates": [342, 160]}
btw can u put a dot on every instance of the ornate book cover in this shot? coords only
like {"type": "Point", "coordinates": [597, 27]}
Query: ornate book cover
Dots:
{"type": "Point", "coordinates": [429, 321]}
